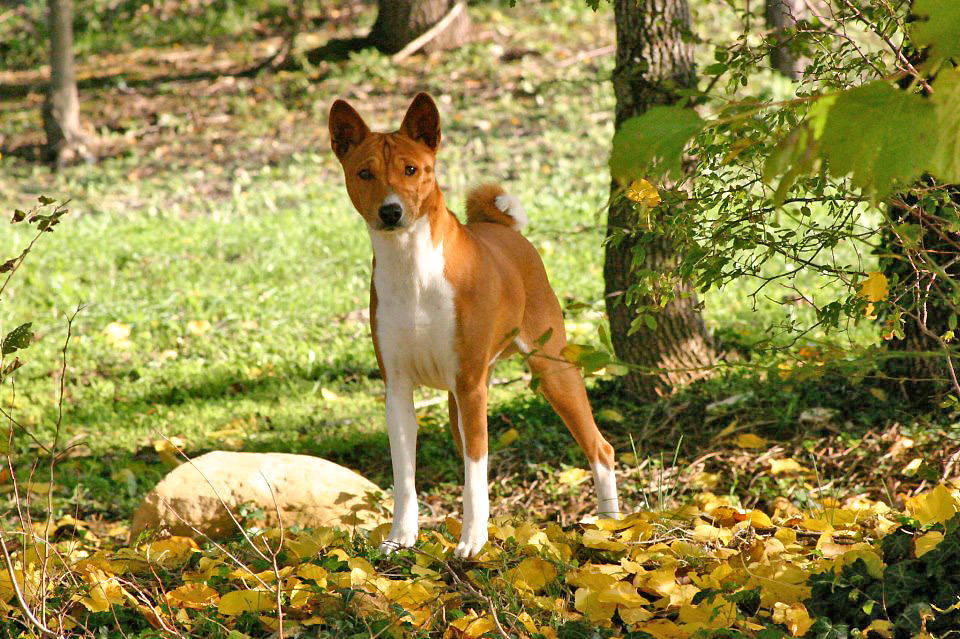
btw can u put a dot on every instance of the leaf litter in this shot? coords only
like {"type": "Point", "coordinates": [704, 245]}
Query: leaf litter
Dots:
{"type": "Point", "coordinates": [706, 566]}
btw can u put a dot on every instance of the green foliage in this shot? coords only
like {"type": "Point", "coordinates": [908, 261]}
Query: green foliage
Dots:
{"type": "Point", "coordinates": [913, 592]}
{"type": "Point", "coordinates": [792, 187]}
{"type": "Point", "coordinates": [945, 160]}
{"type": "Point", "coordinates": [938, 27]}
{"type": "Point", "coordinates": [652, 144]}
{"type": "Point", "coordinates": [879, 135]}
{"type": "Point", "coordinates": [102, 26]}
{"type": "Point", "coordinates": [17, 339]}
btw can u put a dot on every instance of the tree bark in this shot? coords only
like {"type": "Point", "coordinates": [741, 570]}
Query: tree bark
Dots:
{"type": "Point", "coordinates": [654, 62]}
{"type": "Point", "coordinates": [399, 22]}
{"type": "Point", "coordinates": [923, 367]}
{"type": "Point", "coordinates": [782, 15]}
{"type": "Point", "coordinates": [61, 108]}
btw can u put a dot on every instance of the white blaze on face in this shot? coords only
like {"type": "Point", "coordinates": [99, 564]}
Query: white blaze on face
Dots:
{"type": "Point", "coordinates": [393, 198]}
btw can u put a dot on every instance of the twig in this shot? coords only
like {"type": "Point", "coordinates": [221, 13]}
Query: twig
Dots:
{"type": "Point", "coordinates": [472, 591]}
{"type": "Point", "coordinates": [24, 607]}
{"type": "Point", "coordinates": [429, 34]}
{"type": "Point", "coordinates": [586, 55]}
{"type": "Point", "coordinates": [219, 498]}
{"type": "Point", "coordinates": [53, 446]}
{"type": "Point", "coordinates": [273, 556]}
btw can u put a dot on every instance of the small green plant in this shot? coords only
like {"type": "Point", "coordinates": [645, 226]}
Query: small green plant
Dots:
{"type": "Point", "coordinates": [915, 591]}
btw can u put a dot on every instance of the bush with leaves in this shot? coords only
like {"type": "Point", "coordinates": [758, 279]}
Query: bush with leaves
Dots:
{"type": "Point", "coordinates": [25, 587]}
{"type": "Point", "coordinates": [865, 157]}
{"type": "Point", "coordinates": [915, 591]}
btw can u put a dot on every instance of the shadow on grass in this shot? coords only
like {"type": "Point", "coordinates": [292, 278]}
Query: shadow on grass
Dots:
{"type": "Point", "coordinates": [773, 408]}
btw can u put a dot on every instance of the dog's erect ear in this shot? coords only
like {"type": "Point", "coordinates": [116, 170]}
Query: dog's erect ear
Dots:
{"type": "Point", "coordinates": [422, 121]}
{"type": "Point", "coordinates": [347, 128]}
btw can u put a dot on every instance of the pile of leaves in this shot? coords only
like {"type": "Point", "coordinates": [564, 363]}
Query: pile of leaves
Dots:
{"type": "Point", "coordinates": [850, 569]}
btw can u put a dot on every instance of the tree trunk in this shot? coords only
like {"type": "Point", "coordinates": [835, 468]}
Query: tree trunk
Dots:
{"type": "Point", "coordinates": [923, 367]}
{"type": "Point", "coordinates": [61, 108]}
{"type": "Point", "coordinates": [654, 62]}
{"type": "Point", "coordinates": [782, 15]}
{"type": "Point", "coordinates": [399, 22]}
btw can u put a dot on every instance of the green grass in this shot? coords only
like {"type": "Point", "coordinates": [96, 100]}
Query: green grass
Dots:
{"type": "Point", "coordinates": [217, 201]}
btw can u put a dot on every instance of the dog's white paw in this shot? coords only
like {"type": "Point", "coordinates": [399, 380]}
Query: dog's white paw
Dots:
{"type": "Point", "coordinates": [510, 205]}
{"type": "Point", "coordinates": [472, 540]}
{"type": "Point", "coordinates": [399, 537]}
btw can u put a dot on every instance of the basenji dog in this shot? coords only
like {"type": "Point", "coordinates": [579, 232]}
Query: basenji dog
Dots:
{"type": "Point", "coordinates": [447, 300]}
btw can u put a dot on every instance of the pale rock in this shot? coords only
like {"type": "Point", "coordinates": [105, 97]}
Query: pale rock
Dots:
{"type": "Point", "coordinates": [308, 492]}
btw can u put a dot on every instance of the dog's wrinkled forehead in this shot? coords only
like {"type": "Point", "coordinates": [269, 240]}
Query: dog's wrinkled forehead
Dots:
{"type": "Point", "coordinates": [386, 149]}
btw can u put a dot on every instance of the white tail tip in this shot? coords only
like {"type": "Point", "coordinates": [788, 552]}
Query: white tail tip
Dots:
{"type": "Point", "coordinates": [510, 205]}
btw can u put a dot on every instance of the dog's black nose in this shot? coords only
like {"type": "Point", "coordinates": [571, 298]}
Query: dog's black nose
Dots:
{"type": "Point", "coordinates": [390, 213]}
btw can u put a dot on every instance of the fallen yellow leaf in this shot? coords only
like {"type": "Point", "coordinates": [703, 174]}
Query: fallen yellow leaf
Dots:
{"type": "Point", "coordinates": [572, 476]}
{"type": "Point", "coordinates": [532, 574]}
{"type": "Point", "coordinates": [785, 467]}
{"type": "Point", "coordinates": [602, 540]}
{"type": "Point", "coordinates": [328, 395]}
{"type": "Point", "coordinates": [795, 617]}
{"type": "Point", "coordinates": [241, 601]}
{"type": "Point", "coordinates": [104, 590]}
{"type": "Point", "coordinates": [171, 552]}
{"type": "Point", "coordinates": [926, 543]}
{"type": "Point", "coordinates": [470, 626]}
{"type": "Point", "coordinates": [936, 506]}
{"type": "Point", "coordinates": [664, 629]}
{"type": "Point", "coordinates": [198, 327]}
{"type": "Point", "coordinates": [195, 595]}
{"type": "Point", "coordinates": [749, 440]}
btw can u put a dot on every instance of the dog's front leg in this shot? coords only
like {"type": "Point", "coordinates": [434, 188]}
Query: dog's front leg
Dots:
{"type": "Point", "coordinates": [472, 412]}
{"type": "Point", "coordinates": [402, 429]}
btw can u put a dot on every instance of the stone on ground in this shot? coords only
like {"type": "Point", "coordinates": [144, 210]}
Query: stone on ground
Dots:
{"type": "Point", "coordinates": [308, 491]}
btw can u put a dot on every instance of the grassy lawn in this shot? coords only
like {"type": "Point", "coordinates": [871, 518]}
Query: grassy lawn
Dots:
{"type": "Point", "coordinates": [223, 274]}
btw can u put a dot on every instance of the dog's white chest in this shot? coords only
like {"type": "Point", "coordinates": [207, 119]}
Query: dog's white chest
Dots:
{"type": "Point", "coordinates": [415, 310]}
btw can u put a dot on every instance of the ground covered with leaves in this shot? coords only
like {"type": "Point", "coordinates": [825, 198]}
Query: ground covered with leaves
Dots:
{"type": "Point", "coordinates": [710, 569]}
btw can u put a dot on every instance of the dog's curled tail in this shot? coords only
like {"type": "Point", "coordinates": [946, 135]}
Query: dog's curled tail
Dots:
{"type": "Point", "coordinates": [490, 203]}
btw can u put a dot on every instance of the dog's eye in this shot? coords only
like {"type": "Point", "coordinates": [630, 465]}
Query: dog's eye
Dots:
{"type": "Point", "coordinates": [365, 174]}
{"type": "Point", "coordinates": [410, 170]}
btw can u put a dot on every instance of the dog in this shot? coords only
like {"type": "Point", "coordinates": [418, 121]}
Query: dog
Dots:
{"type": "Point", "coordinates": [447, 300]}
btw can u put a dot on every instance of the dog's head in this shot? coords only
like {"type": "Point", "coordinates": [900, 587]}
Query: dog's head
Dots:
{"type": "Point", "coordinates": [389, 175]}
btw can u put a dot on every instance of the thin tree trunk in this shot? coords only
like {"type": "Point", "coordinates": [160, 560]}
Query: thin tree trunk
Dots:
{"type": "Point", "coordinates": [924, 366]}
{"type": "Point", "coordinates": [782, 15]}
{"type": "Point", "coordinates": [654, 62]}
{"type": "Point", "coordinates": [399, 22]}
{"type": "Point", "coordinates": [61, 108]}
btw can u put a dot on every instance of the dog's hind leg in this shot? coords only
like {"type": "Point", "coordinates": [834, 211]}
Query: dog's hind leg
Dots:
{"type": "Point", "coordinates": [455, 422]}
{"type": "Point", "coordinates": [563, 387]}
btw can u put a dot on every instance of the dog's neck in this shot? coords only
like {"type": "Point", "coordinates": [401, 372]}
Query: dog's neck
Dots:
{"type": "Point", "coordinates": [415, 255]}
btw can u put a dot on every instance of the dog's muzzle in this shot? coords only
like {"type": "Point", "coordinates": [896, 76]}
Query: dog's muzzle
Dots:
{"type": "Point", "coordinates": [390, 214]}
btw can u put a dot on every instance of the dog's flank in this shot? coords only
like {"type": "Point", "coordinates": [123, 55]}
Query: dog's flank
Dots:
{"type": "Point", "coordinates": [446, 301]}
